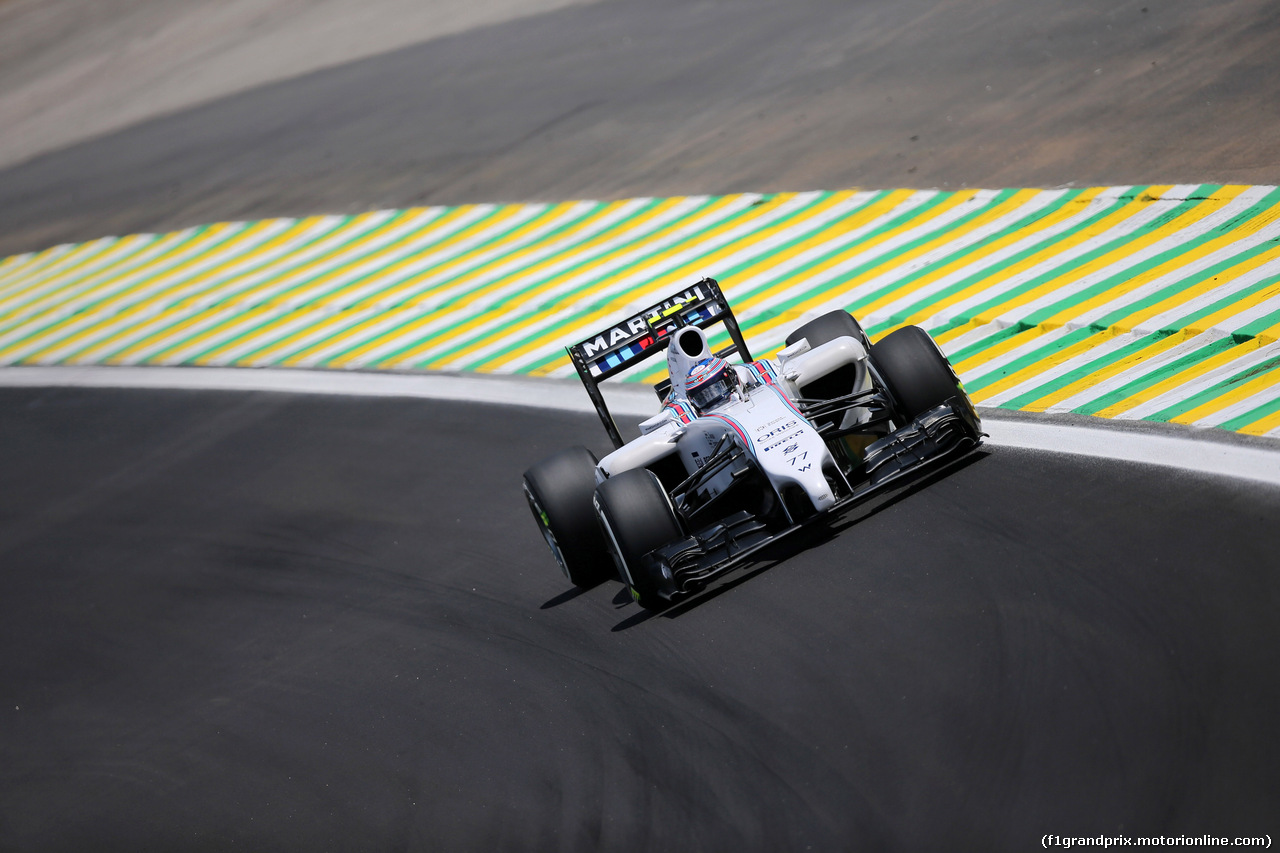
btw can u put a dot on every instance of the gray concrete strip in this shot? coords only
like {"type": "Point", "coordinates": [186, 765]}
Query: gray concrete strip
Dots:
{"type": "Point", "coordinates": [70, 71]}
{"type": "Point", "coordinates": [1199, 451]}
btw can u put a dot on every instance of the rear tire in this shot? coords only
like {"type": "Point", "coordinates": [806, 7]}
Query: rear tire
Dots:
{"type": "Point", "coordinates": [559, 490]}
{"type": "Point", "coordinates": [637, 517]}
{"type": "Point", "coordinates": [917, 373]}
{"type": "Point", "coordinates": [828, 327]}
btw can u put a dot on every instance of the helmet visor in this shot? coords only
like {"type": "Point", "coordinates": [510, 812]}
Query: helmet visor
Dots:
{"type": "Point", "coordinates": [712, 392]}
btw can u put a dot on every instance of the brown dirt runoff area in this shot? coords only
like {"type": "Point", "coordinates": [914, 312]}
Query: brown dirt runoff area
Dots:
{"type": "Point", "coordinates": [131, 115]}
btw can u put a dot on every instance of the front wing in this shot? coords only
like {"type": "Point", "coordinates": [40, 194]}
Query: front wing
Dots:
{"type": "Point", "coordinates": [945, 432]}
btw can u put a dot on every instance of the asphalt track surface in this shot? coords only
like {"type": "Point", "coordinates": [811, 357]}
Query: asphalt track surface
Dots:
{"type": "Point", "coordinates": [273, 621]}
{"type": "Point", "coordinates": [289, 622]}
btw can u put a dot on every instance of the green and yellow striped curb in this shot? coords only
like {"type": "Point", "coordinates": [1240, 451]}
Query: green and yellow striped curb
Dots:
{"type": "Point", "coordinates": [1139, 302]}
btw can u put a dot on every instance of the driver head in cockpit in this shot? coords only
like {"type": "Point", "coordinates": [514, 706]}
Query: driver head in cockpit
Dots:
{"type": "Point", "coordinates": [710, 382]}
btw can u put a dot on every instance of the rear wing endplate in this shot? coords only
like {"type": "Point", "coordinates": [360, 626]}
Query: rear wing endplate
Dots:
{"type": "Point", "coordinates": [647, 333]}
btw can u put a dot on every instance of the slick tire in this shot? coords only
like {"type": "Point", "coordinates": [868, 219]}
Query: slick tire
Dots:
{"type": "Point", "coordinates": [828, 327]}
{"type": "Point", "coordinates": [559, 490]}
{"type": "Point", "coordinates": [636, 516]}
{"type": "Point", "coordinates": [917, 373]}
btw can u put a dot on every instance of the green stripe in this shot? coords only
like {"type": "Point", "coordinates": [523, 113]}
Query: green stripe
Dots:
{"type": "Point", "coordinates": [604, 237]}
{"type": "Point", "coordinates": [144, 293]}
{"type": "Point", "coordinates": [229, 298]}
{"type": "Point", "coordinates": [903, 283]}
{"type": "Point", "coordinates": [240, 309]}
{"type": "Point", "coordinates": [780, 223]}
{"type": "Point", "coordinates": [1104, 361]}
{"type": "Point", "coordinates": [108, 326]}
{"type": "Point", "coordinates": [86, 309]}
{"type": "Point", "coordinates": [590, 284]}
{"type": "Point", "coordinates": [358, 314]}
{"type": "Point", "coordinates": [1051, 347]}
{"type": "Point", "coordinates": [900, 221]}
{"type": "Point", "coordinates": [1057, 270]}
{"type": "Point", "coordinates": [598, 303]}
{"type": "Point", "coordinates": [1043, 242]}
{"type": "Point", "coordinates": [65, 264]}
{"type": "Point", "coordinates": [1142, 383]}
{"type": "Point", "coordinates": [1253, 415]}
{"type": "Point", "coordinates": [920, 215]}
{"type": "Point", "coordinates": [102, 277]}
{"type": "Point", "coordinates": [498, 260]}
{"type": "Point", "coordinates": [479, 271]}
{"type": "Point", "coordinates": [1077, 297]}
{"type": "Point", "coordinates": [318, 298]}
{"type": "Point", "coordinates": [1214, 391]}
{"type": "Point", "coordinates": [220, 280]}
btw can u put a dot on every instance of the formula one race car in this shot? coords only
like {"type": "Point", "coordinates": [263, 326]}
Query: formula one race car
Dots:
{"type": "Point", "coordinates": [740, 454]}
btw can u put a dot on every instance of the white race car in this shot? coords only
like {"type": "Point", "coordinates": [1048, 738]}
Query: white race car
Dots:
{"type": "Point", "coordinates": [744, 453]}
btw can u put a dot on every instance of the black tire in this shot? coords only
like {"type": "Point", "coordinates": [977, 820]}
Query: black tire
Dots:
{"type": "Point", "coordinates": [828, 327]}
{"type": "Point", "coordinates": [559, 490]}
{"type": "Point", "coordinates": [637, 517]}
{"type": "Point", "coordinates": [917, 373]}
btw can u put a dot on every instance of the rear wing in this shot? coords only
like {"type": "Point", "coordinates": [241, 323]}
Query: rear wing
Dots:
{"type": "Point", "coordinates": [647, 333]}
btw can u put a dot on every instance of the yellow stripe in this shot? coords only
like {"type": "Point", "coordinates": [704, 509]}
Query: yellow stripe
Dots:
{"type": "Point", "coordinates": [914, 218]}
{"type": "Point", "coordinates": [202, 282]}
{"type": "Point", "coordinates": [1222, 279]}
{"type": "Point", "coordinates": [1261, 382]}
{"type": "Point", "coordinates": [617, 301]}
{"type": "Point", "coordinates": [1169, 267]}
{"type": "Point", "coordinates": [1178, 379]}
{"type": "Point", "coordinates": [334, 302]}
{"type": "Point", "coordinates": [976, 258]}
{"type": "Point", "coordinates": [586, 269]}
{"type": "Point", "coordinates": [79, 256]}
{"type": "Point", "coordinates": [673, 278]}
{"type": "Point", "coordinates": [439, 276]}
{"type": "Point", "coordinates": [442, 281]}
{"type": "Point", "coordinates": [154, 258]}
{"type": "Point", "coordinates": [974, 363]}
{"type": "Point", "coordinates": [53, 290]}
{"type": "Point", "coordinates": [198, 307]}
{"type": "Point", "coordinates": [860, 218]}
{"type": "Point", "coordinates": [194, 252]}
{"type": "Point", "coordinates": [1059, 247]}
{"type": "Point", "coordinates": [1132, 246]}
{"type": "Point", "coordinates": [1222, 316]}
{"type": "Point", "coordinates": [467, 297]}
{"type": "Point", "coordinates": [848, 287]}
{"type": "Point", "coordinates": [352, 254]}
{"type": "Point", "coordinates": [1102, 374]}
{"type": "Point", "coordinates": [111, 317]}
{"type": "Point", "coordinates": [36, 263]}
{"type": "Point", "coordinates": [1262, 426]}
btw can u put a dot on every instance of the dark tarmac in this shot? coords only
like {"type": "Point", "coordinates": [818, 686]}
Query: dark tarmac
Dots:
{"type": "Point", "coordinates": [288, 623]}
{"type": "Point", "coordinates": [283, 622]}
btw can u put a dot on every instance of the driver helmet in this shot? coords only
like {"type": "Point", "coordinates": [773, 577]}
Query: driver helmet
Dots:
{"type": "Point", "coordinates": [710, 382]}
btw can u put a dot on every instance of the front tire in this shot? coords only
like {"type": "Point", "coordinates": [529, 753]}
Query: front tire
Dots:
{"type": "Point", "coordinates": [917, 373]}
{"type": "Point", "coordinates": [559, 490]}
{"type": "Point", "coordinates": [636, 516]}
{"type": "Point", "coordinates": [828, 327]}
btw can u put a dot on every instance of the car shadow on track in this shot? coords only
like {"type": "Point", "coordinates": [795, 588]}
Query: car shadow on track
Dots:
{"type": "Point", "coordinates": [800, 541]}
{"type": "Point", "coordinates": [568, 595]}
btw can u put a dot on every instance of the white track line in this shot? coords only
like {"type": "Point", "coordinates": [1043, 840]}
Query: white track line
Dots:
{"type": "Point", "coordinates": [1197, 451]}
